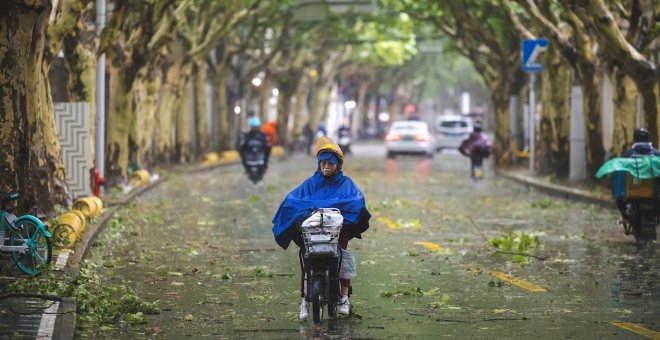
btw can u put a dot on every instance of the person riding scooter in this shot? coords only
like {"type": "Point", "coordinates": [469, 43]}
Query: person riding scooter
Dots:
{"type": "Point", "coordinates": [344, 138]}
{"type": "Point", "coordinates": [641, 147]}
{"type": "Point", "coordinates": [254, 146]}
{"type": "Point", "coordinates": [327, 188]}
{"type": "Point", "coordinates": [477, 147]}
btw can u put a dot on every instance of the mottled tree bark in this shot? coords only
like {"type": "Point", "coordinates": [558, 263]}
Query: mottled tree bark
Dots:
{"type": "Point", "coordinates": [222, 108]}
{"type": "Point", "coordinates": [301, 98]}
{"type": "Point", "coordinates": [264, 97]}
{"type": "Point", "coordinates": [625, 109]}
{"type": "Point", "coordinates": [183, 139]}
{"type": "Point", "coordinates": [201, 124]}
{"type": "Point", "coordinates": [287, 85]}
{"type": "Point", "coordinates": [30, 159]}
{"type": "Point", "coordinates": [553, 147]}
{"type": "Point", "coordinates": [147, 88]}
{"type": "Point", "coordinates": [119, 122]}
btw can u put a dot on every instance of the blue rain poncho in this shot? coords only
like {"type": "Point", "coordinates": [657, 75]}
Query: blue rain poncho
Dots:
{"type": "Point", "coordinates": [336, 191]}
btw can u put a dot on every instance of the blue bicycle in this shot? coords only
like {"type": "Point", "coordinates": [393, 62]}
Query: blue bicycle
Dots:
{"type": "Point", "coordinates": [29, 239]}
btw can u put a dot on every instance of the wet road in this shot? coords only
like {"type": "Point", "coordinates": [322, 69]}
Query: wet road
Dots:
{"type": "Point", "coordinates": [202, 246]}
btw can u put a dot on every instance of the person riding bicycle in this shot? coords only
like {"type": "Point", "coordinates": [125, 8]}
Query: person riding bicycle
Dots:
{"type": "Point", "coordinates": [327, 188]}
{"type": "Point", "coordinates": [254, 135]}
{"type": "Point", "coordinates": [641, 147]}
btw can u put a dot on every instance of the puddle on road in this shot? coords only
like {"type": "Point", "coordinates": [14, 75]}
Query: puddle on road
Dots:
{"type": "Point", "coordinates": [208, 257]}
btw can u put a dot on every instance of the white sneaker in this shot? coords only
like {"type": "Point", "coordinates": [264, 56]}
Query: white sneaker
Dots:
{"type": "Point", "coordinates": [304, 312]}
{"type": "Point", "coordinates": [344, 306]}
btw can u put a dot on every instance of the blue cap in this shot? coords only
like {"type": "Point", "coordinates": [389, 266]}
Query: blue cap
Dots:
{"type": "Point", "coordinates": [254, 122]}
{"type": "Point", "coordinates": [329, 156]}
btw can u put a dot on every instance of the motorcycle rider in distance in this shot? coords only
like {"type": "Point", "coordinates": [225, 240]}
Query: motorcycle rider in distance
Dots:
{"type": "Point", "coordinates": [327, 188]}
{"type": "Point", "coordinates": [254, 134]}
{"type": "Point", "coordinates": [344, 138]}
{"type": "Point", "coordinates": [477, 147]}
{"type": "Point", "coordinates": [641, 147]}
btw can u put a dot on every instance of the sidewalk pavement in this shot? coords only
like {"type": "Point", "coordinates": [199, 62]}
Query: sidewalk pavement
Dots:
{"type": "Point", "coordinates": [559, 190]}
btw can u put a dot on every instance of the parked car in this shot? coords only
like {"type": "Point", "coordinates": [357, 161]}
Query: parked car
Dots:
{"type": "Point", "coordinates": [409, 137]}
{"type": "Point", "coordinates": [451, 131]}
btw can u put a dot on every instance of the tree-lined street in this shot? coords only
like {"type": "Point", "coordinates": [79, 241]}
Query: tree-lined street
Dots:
{"type": "Point", "coordinates": [118, 99]}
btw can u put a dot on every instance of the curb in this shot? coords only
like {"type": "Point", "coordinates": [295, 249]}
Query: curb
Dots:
{"type": "Point", "coordinates": [558, 190]}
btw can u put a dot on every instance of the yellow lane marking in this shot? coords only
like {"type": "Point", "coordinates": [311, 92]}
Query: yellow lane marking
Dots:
{"type": "Point", "coordinates": [518, 282]}
{"type": "Point", "coordinates": [389, 223]}
{"type": "Point", "coordinates": [637, 329]}
{"type": "Point", "coordinates": [430, 245]}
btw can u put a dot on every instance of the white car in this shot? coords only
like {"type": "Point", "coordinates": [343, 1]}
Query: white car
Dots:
{"type": "Point", "coordinates": [452, 130]}
{"type": "Point", "coordinates": [409, 137]}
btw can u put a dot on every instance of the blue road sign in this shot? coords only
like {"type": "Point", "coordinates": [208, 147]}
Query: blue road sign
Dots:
{"type": "Point", "coordinates": [530, 53]}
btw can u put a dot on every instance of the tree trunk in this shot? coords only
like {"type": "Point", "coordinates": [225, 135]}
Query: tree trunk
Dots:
{"type": "Point", "coordinates": [201, 124]}
{"type": "Point", "coordinates": [625, 110]}
{"type": "Point", "coordinates": [30, 159]}
{"type": "Point", "coordinates": [319, 92]}
{"type": "Point", "coordinates": [502, 133]}
{"type": "Point", "coordinates": [301, 98]}
{"type": "Point", "coordinates": [553, 147]}
{"type": "Point", "coordinates": [80, 60]}
{"type": "Point", "coordinates": [264, 99]}
{"type": "Point", "coordinates": [183, 139]}
{"type": "Point", "coordinates": [647, 84]}
{"type": "Point", "coordinates": [222, 108]}
{"type": "Point", "coordinates": [591, 83]}
{"type": "Point", "coordinates": [361, 107]}
{"type": "Point", "coordinates": [396, 106]}
{"type": "Point", "coordinates": [287, 86]}
{"type": "Point", "coordinates": [165, 121]}
{"type": "Point", "coordinates": [147, 88]}
{"type": "Point", "coordinates": [120, 119]}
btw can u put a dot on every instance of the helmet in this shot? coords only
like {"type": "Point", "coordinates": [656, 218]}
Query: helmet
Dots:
{"type": "Point", "coordinates": [641, 135]}
{"type": "Point", "coordinates": [327, 145]}
{"type": "Point", "coordinates": [254, 122]}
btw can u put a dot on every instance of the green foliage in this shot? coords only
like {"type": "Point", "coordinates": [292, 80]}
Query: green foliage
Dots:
{"type": "Point", "coordinates": [497, 283]}
{"type": "Point", "coordinates": [261, 272]}
{"type": "Point", "coordinates": [388, 41]}
{"type": "Point", "coordinates": [542, 204]}
{"type": "Point", "coordinates": [152, 218]}
{"type": "Point", "coordinates": [517, 242]}
{"type": "Point", "coordinates": [98, 302]}
{"type": "Point", "coordinates": [407, 291]}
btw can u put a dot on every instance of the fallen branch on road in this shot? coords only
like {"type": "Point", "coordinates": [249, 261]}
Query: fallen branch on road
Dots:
{"type": "Point", "coordinates": [524, 318]}
{"type": "Point", "coordinates": [257, 330]}
{"type": "Point", "coordinates": [542, 258]}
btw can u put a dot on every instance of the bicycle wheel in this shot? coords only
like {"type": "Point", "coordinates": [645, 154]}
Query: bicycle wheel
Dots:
{"type": "Point", "coordinates": [316, 297]}
{"type": "Point", "coordinates": [38, 255]}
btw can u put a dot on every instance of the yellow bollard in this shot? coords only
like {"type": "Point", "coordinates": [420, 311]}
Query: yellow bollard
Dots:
{"type": "Point", "coordinates": [68, 229]}
{"type": "Point", "coordinates": [81, 216]}
{"type": "Point", "coordinates": [277, 151]}
{"type": "Point", "coordinates": [139, 177]}
{"type": "Point", "coordinates": [230, 155]}
{"type": "Point", "coordinates": [211, 158]}
{"type": "Point", "coordinates": [87, 206]}
{"type": "Point", "coordinates": [99, 204]}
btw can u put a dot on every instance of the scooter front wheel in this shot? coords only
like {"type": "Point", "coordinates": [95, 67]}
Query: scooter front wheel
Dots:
{"type": "Point", "coordinates": [317, 299]}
